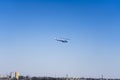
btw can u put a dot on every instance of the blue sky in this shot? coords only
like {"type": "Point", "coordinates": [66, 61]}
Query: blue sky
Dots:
{"type": "Point", "coordinates": [28, 29]}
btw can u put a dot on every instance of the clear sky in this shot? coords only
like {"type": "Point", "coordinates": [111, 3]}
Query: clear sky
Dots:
{"type": "Point", "coordinates": [28, 28]}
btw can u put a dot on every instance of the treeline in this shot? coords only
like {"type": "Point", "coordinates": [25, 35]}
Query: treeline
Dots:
{"type": "Point", "coordinates": [53, 78]}
{"type": "Point", "coordinates": [39, 78]}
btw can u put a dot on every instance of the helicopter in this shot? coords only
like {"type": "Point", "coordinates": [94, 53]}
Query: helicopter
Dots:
{"type": "Point", "coordinates": [63, 40]}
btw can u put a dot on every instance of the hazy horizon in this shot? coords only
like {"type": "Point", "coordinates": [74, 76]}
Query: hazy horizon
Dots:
{"type": "Point", "coordinates": [28, 29]}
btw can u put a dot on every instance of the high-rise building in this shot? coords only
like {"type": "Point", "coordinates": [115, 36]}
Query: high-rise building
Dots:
{"type": "Point", "coordinates": [17, 75]}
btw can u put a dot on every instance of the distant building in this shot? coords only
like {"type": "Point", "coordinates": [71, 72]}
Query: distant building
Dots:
{"type": "Point", "coordinates": [4, 76]}
{"type": "Point", "coordinates": [17, 75]}
{"type": "Point", "coordinates": [12, 74]}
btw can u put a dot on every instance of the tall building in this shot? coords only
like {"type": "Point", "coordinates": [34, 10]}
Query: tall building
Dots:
{"type": "Point", "coordinates": [17, 75]}
{"type": "Point", "coordinates": [12, 74]}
